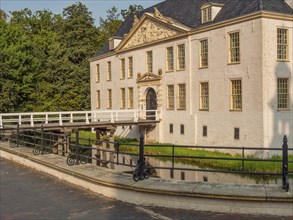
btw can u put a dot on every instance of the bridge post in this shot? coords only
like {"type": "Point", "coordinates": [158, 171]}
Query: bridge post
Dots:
{"type": "Point", "coordinates": [285, 164]}
{"type": "Point", "coordinates": [87, 118]}
{"type": "Point", "coordinates": [60, 119]}
{"type": "Point", "coordinates": [1, 122]}
{"type": "Point", "coordinates": [32, 121]}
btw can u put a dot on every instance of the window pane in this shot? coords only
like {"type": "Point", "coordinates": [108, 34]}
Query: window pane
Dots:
{"type": "Point", "coordinates": [283, 93]}
{"type": "Point", "coordinates": [122, 103]}
{"type": "Point", "coordinates": [204, 53]}
{"type": "Point", "coordinates": [130, 97]}
{"type": "Point", "coordinates": [182, 97]}
{"type": "Point", "coordinates": [109, 75]}
{"type": "Point", "coordinates": [109, 98]}
{"type": "Point", "coordinates": [122, 69]}
{"type": "Point", "coordinates": [234, 50]}
{"type": "Point", "coordinates": [130, 67]}
{"type": "Point", "coordinates": [204, 96]}
{"type": "Point", "coordinates": [170, 59]}
{"type": "Point", "coordinates": [170, 98]}
{"type": "Point", "coordinates": [98, 99]}
{"type": "Point", "coordinates": [98, 73]}
{"type": "Point", "coordinates": [181, 57]}
{"type": "Point", "coordinates": [282, 44]}
{"type": "Point", "coordinates": [236, 95]}
{"type": "Point", "coordinates": [149, 61]}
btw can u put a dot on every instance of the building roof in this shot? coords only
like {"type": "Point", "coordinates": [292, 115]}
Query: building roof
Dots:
{"type": "Point", "coordinates": [188, 12]}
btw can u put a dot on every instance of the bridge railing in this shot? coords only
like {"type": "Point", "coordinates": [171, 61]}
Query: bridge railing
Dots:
{"type": "Point", "coordinates": [87, 117]}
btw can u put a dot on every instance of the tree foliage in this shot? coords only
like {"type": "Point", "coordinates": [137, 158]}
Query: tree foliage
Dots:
{"type": "Point", "coordinates": [44, 57]}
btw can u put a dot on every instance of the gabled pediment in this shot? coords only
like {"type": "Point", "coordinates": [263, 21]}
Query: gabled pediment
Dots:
{"type": "Point", "coordinates": [151, 28]}
{"type": "Point", "coordinates": [147, 77]}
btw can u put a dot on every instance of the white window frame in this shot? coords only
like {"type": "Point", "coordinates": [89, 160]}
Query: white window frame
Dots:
{"type": "Point", "coordinates": [98, 99]}
{"type": "Point", "coordinates": [204, 96]}
{"type": "Point", "coordinates": [170, 59]}
{"type": "Point", "coordinates": [170, 98]}
{"type": "Point", "coordinates": [122, 98]}
{"type": "Point", "coordinates": [181, 97]}
{"type": "Point", "coordinates": [236, 99]}
{"type": "Point", "coordinates": [181, 57]}
{"type": "Point", "coordinates": [149, 61]}
{"type": "Point", "coordinates": [130, 67]}
{"type": "Point", "coordinates": [234, 47]}
{"type": "Point", "coordinates": [206, 14]}
{"type": "Point", "coordinates": [204, 53]}
{"type": "Point", "coordinates": [130, 98]}
{"type": "Point", "coordinates": [109, 104]}
{"type": "Point", "coordinates": [98, 73]}
{"type": "Point", "coordinates": [283, 90]}
{"type": "Point", "coordinates": [122, 69]}
{"type": "Point", "coordinates": [282, 44]}
{"type": "Point", "coordinates": [109, 71]}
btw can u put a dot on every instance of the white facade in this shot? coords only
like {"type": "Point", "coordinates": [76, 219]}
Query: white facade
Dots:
{"type": "Point", "coordinates": [260, 122]}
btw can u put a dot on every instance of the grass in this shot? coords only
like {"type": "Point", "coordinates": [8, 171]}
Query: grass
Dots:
{"type": "Point", "coordinates": [166, 155]}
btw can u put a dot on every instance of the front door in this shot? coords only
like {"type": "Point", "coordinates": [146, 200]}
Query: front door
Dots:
{"type": "Point", "coordinates": [151, 104]}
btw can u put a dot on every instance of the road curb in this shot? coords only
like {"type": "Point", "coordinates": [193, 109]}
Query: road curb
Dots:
{"type": "Point", "coordinates": [153, 192]}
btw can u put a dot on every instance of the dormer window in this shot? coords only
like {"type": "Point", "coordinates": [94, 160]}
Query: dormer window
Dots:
{"type": "Point", "coordinates": [206, 14]}
{"type": "Point", "coordinates": [209, 11]}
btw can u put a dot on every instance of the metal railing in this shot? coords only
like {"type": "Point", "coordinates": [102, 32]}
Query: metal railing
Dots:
{"type": "Point", "coordinates": [79, 150]}
{"type": "Point", "coordinates": [112, 116]}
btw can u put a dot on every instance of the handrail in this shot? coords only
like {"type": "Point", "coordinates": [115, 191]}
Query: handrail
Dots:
{"type": "Point", "coordinates": [73, 116]}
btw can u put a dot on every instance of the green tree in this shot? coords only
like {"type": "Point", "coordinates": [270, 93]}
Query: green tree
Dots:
{"type": "Point", "coordinates": [132, 9]}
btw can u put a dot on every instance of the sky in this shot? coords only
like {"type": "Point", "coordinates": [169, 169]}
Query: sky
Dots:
{"type": "Point", "coordinates": [97, 7]}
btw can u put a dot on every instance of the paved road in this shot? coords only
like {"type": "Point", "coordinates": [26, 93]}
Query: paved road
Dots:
{"type": "Point", "coordinates": [27, 194]}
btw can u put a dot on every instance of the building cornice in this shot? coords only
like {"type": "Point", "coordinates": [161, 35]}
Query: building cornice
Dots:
{"type": "Point", "coordinates": [257, 15]}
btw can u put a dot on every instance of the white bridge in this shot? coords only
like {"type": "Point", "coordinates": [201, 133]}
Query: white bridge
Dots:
{"type": "Point", "coordinates": [48, 119]}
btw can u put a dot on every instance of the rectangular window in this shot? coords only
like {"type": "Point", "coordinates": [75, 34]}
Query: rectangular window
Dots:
{"type": "Point", "coordinates": [109, 98]}
{"type": "Point", "coordinates": [170, 59]}
{"type": "Point", "coordinates": [181, 129]}
{"type": "Point", "coordinates": [109, 72]}
{"type": "Point", "coordinates": [203, 58]}
{"type": "Point", "coordinates": [98, 99]}
{"type": "Point", "coordinates": [206, 14]}
{"type": "Point", "coordinates": [236, 133]}
{"type": "Point", "coordinates": [122, 66]}
{"type": "Point", "coordinates": [97, 73]}
{"type": "Point", "coordinates": [282, 44]}
{"type": "Point", "coordinates": [171, 128]}
{"type": "Point", "coordinates": [283, 93]}
{"type": "Point", "coordinates": [204, 96]}
{"type": "Point", "coordinates": [205, 131]}
{"type": "Point", "coordinates": [122, 98]}
{"type": "Point", "coordinates": [181, 57]}
{"type": "Point", "coordinates": [181, 96]}
{"type": "Point", "coordinates": [130, 67]}
{"type": "Point", "coordinates": [234, 50]}
{"type": "Point", "coordinates": [130, 98]}
{"type": "Point", "coordinates": [149, 61]}
{"type": "Point", "coordinates": [236, 95]}
{"type": "Point", "coordinates": [170, 97]}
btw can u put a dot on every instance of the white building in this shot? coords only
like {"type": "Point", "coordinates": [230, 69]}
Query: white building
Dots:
{"type": "Point", "coordinates": [219, 71]}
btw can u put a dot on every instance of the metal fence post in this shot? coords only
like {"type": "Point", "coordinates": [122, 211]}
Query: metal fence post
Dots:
{"type": "Point", "coordinates": [77, 146]}
{"type": "Point", "coordinates": [17, 135]}
{"type": "Point", "coordinates": [42, 139]}
{"type": "Point", "coordinates": [242, 166]}
{"type": "Point", "coordinates": [117, 152]}
{"type": "Point", "coordinates": [141, 161]}
{"type": "Point", "coordinates": [285, 164]}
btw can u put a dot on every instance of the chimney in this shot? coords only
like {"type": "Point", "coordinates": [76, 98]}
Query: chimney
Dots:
{"type": "Point", "coordinates": [289, 2]}
{"type": "Point", "coordinates": [114, 42]}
